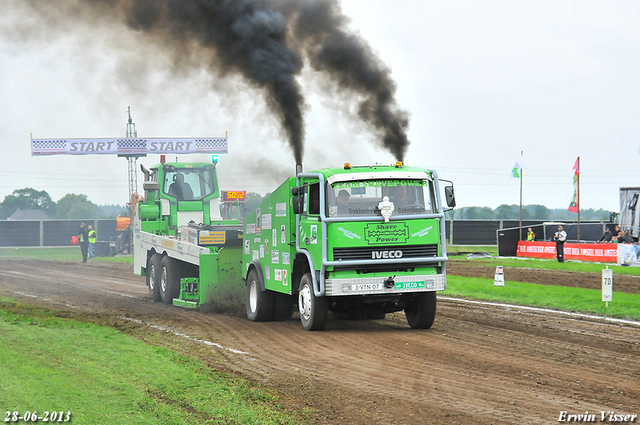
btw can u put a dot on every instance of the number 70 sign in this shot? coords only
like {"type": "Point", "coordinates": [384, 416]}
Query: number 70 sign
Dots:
{"type": "Point", "coordinates": [607, 285]}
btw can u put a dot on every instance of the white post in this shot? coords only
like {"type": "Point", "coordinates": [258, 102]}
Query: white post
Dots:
{"type": "Point", "coordinates": [607, 285]}
{"type": "Point", "coordinates": [499, 277]}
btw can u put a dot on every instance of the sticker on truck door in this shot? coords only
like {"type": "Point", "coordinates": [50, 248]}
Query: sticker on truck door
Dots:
{"type": "Point", "coordinates": [266, 221]}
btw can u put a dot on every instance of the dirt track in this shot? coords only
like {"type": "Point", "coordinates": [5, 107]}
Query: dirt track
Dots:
{"type": "Point", "coordinates": [479, 364]}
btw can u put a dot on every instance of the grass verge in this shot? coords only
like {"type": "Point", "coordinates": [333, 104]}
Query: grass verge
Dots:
{"type": "Point", "coordinates": [572, 266]}
{"type": "Point", "coordinates": [54, 254]}
{"type": "Point", "coordinates": [555, 297]}
{"type": "Point", "coordinates": [456, 250]}
{"type": "Point", "coordinates": [104, 377]}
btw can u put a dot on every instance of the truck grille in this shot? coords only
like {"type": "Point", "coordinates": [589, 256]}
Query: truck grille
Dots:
{"type": "Point", "coordinates": [371, 253]}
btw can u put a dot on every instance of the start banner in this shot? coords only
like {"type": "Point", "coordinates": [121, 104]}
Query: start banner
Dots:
{"type": "Point", "coordinates": [598, 252]}
{"type": "Point", "coordinates": [127, 146]}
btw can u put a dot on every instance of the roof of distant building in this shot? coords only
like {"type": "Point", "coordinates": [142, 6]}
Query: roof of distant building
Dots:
{"type": "Point", "coordinates": [22, 215]}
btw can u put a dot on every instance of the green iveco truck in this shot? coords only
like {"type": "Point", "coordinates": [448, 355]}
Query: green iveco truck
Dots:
{"type": "Point", "coordinates": [360, 242]}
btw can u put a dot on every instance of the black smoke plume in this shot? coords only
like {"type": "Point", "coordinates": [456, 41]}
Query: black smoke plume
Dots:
{"type": "Point", "coordinates": [349, 60]}
{"type": "Point", "coordinates": [265, 41]}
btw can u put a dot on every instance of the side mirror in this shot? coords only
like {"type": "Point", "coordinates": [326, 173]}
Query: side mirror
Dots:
{"type": "Point", "coordinates": [450, 196]}
{"type": "Point", "coordinates": [151, 186]}
{"type": "Point", "coordinates": [297, 199]}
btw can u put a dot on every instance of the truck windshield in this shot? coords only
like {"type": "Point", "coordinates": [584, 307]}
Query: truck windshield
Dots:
{"type": "Point", "coordinates": [361, 198]}
{"type": "Point", "coordinates": [189, 183]}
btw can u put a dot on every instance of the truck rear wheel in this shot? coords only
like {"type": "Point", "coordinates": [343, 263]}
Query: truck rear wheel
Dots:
{"type": "Point", "coordinates": [169, 280]}
{"type": "Point", "coordinates": [153, 277]}
{"type": "Point", "coordinates": [421, 311]}
{"type": "Point", "coordinates": [313, 310]}
{"type": "Point", "coordinates": [260, 304]}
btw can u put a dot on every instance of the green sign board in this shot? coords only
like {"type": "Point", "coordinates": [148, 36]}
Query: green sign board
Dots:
{"type": "Point", "coordinates": [386, 233]}
{"type": "Point", "coordinates": [410, 285]}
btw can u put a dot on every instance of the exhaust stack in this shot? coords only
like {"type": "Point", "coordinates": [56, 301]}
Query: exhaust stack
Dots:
{"type": "Point", "coordinates": [298, 169]}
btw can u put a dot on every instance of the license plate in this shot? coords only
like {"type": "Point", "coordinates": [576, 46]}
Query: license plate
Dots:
{"type": "Point", "coordinates": [410, 285]}
{"type": "Point", "coordinates": [366, 286]}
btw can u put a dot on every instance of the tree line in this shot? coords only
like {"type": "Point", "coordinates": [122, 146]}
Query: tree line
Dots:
{"type": "Point", "coordinates": [78, 206]}
{"type": "Point", "coordinates": [69, 206]}
{"type": "Point", "coordinates": [529, 212]}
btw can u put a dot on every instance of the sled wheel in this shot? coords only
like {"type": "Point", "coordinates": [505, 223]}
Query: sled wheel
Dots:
{"type": "Point", "coordinates": [153, 277]}
{"type": "Point", "coordinates": [169, 280]}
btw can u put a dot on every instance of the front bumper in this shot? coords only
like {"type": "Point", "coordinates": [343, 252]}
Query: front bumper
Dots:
{"type": "Point", "coordinates": [376, 285]}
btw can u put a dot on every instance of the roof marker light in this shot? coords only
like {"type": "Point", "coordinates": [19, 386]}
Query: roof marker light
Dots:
{"type": "Point", "coordinates": [214, 159]}
{"type": "Point", "coordinates": [347, 166]}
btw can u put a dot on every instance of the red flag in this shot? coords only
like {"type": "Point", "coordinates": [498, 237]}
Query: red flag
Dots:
{"type": "Point", "coordinates": [574, 206]}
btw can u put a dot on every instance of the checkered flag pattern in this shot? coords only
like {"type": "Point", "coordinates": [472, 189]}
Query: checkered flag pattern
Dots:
{"type": "Point", "coordinates": [45, 147]}
{"type": "Point", "coordinates": [128, 146]}
{"type": "Point", "coordinates": [132, 146]}
{"type": "Point", "coordinates": [212, 145]}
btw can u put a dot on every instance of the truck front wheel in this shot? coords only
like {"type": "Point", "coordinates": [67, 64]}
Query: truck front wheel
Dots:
{"type": "Point", "coordinates": [169, 280]}
{"type": "Point", "coordinates": [260, 304]}
{"type": "Point", "coordinates": [421, 311]}
{"type": "Point", "coordinates": [313, 310]}
{"type": "Point", "coordinates": [153, 279]}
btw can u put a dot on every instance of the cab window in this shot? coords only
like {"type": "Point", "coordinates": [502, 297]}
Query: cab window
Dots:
{"type": "Point", "coordinates": [313, 199]}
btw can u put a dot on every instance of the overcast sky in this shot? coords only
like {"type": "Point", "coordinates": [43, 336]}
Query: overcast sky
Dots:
{"type": "Point", "coordinates": [481, 81]}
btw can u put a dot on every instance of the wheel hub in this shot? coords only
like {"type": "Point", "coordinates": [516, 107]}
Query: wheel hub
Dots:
{"type": "Point", "coordinates": [304, 301]}
{"type": "Point", "coordinates": [152, 277]}
{"type": "Point", "coordinates": [163, 280]}
{"type": "Point", "coordinates": [253, 296]}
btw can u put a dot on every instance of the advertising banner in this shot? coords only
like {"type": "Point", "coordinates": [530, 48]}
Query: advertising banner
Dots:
{"type": "Point", "coordinates": [598, 252]}
{"type": "Point", "coordinates": [126, 146]}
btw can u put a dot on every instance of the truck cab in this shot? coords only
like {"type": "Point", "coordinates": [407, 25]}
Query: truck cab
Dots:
{"type": "Point", "coordinates": [178, 193]}
{"type": "Point", "coordinates": [364, 242]}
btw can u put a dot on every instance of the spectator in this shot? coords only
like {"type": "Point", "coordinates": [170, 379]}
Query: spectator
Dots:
{"type": "Point", "coordinates": [624, 237]}
{"type": "Point", "coordinates": [83, 236]}
{"type": "Point", "coordinates": [530, 235]}
{"type": "Point", "coordinates": [560, 237]}
{"type": "Point", "coordinates": [606, 237]}
{"type": "Point", "coordinates": [92, 240]}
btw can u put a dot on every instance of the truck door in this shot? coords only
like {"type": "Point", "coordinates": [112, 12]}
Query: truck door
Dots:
{"type": "Point", "coordinates": [310, 224]}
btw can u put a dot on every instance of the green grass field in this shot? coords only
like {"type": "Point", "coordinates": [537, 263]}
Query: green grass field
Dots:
{"type": "Point", "coordinates": [102, 376]}
{"type": "Point", "coordinates": [554, 297]}
{"type": "Point", "coordinates": [565, 298]}
{"type": "Point", "coordinates": [570, 266]}
{"type": "Point", "coordinates": [55, 254]}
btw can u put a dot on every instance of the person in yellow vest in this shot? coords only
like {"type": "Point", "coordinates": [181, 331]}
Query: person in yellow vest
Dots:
{"type": "Point", "coordinates": [92, 240]}
{"type": "Point", "coordinates": [530, 235]}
